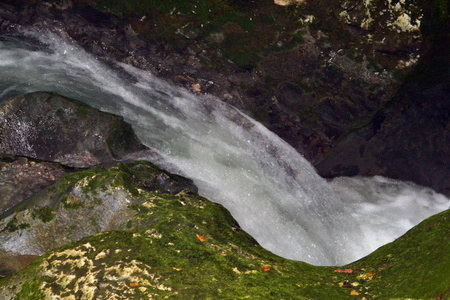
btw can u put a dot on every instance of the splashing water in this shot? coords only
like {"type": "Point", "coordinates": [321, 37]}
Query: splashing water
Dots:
{"type": "Point", "coordinates": [270, 189]}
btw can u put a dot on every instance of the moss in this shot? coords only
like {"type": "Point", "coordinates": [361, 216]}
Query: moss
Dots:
{"type": "Point", "coordinates": [73, 203]}
{"type": "Point", "coordinates": [185, 247]}
{"type": "Point", "coordinates": [45, 214]}
{"type": "Point", "coordinates": [265, 27]}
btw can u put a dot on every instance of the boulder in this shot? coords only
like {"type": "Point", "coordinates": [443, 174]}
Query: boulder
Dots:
{"type": "Point", "coordinates": [50, 127]}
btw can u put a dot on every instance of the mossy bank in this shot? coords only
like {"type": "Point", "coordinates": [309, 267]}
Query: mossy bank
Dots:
{"type": "Point", "coordinates": [175, 244]}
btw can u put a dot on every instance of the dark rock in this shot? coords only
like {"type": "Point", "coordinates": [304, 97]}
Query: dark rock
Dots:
{"type": "Point", "coordinates": [21, 177]}
{"type": "Point", "coordinates": [353, 59]}
{"type": "Point", "coordinates": [49, 127]}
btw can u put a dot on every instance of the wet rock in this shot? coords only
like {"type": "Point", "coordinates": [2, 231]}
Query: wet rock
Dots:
{"type": "Point", "coordinates": [330, 65]}
{"type": "Point", "coordinates": [53, 128]}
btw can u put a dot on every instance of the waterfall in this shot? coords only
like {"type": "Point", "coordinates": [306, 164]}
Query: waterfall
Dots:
{"type": "Point", "coordinates": [269, 188]}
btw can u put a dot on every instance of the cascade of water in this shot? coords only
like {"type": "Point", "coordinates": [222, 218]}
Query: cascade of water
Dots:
{"type": "Point", "coordinates": [271, 190]}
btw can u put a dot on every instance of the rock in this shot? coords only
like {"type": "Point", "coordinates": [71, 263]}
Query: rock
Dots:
{"type": "Point", "coordinates": [49, 127]}
{"type": "Point", "coordinates": [21, 177]}
{"type": "Point", "coordinates": [331, 65]}
{"type": "Point", "coordinates": [85, 203]}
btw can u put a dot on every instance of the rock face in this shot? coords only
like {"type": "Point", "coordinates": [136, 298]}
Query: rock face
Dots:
{"type": "Point", "coordinates": [49, 127]}
{"type": "Point", "coordinates": [21, 177]}
{"type": "Point", "coordinates": [312, 72]}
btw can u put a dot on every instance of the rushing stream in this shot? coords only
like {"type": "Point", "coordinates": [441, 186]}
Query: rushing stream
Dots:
{"type": "Point", "coordinates": [271, 190]}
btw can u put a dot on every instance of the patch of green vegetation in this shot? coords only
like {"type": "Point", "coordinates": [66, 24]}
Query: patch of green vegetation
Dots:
{"type": "Point", "coordinates": [259, 28]}
{"type": "Point", "coordinates": [30, 290]}
{"type": "Point", "coordinates": [184, 246]}
{"type": "Point", "coordinates": [12, 225]}
{"type": "Point", "coordinates": [45, 213]}
{"type": "Point", "coordinates": [73, 203]}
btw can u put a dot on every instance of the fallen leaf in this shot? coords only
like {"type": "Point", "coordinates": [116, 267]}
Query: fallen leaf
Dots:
{"type": "Point", "coordinates": [133, 284]}
{"type": "Point", "coordinates": [346, 271]}
{"type": "Point", "coordinates": [196, 87]}
{"type": "Point", "coordinates": [265, 269]}
{"type": "Point", "coordinates": [132, 230]}
{"type": "Point", "coordinates": [177, 269]}
{"type": "Point", "coordinates": [354, 293]}
{"type": "Point", "coordinates": [201, 238]}
{"type": "Point", "coordinates": [223, 254]}
{"type": "Point", "coordinates": [439, 297]}
{"type": "Point", "coordinates": [370, 274]}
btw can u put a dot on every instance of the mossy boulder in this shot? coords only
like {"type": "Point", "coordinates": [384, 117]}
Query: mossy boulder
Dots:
{"type": "Point", "coordinates": [180, 245]}
{"type": "Point", "coordinates": [50, 127]}
{"type": "Point", "coordinates": [84, 203]}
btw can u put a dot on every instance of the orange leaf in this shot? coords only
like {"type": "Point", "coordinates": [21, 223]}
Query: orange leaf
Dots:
{"type": "Point", "coordinates": [347, 271]}
{"type": "Point", "coordinates": [223, 254]}
{"type": "Point", "coordinates": [338, 271]}
{"type": "Point", "coordinates": [201, 238]}
{"type": "Point", "coordinates": [134, 284]}
{"type": "Point", "coordinates": [354, 293]}
{"type": "Point", "coordinates": [265, 269]}
{"type": "Point", "coordinates": [370, 274]}
{"type": "Point", "coordinates": [196, 87]}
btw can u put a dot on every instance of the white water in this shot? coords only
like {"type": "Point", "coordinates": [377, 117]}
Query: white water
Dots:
{"type": "Point", "coordinates": [271, 190]}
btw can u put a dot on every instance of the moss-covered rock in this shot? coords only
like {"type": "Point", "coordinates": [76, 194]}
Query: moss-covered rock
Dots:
{"type": "Point", "coordinates": [179, 245]}
{"type": "Point", "coordinates": [82, 204]}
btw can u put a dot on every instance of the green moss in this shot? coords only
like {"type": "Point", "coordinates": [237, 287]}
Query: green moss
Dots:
{"type": "Point", "coordinates": [45, 213]}
{"type": "Point", "coordinates": [12, 225]}
{"type": "Point", "coordinates": [264, 27]}
{"type": "Point", "coordinates": [185, 247]}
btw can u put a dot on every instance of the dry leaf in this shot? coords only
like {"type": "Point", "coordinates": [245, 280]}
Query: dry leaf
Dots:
{"type": "Point", "coordinates": [370, 274]}
{"type": "Point", "coordinates": [265, 269]}
{"type": "Point", "coordinates": [354, 293]}
{"type": "Point", "coordinates": [346, 271]}
{"type": "Point", "coordinates": [201, 238]}
{"type": "Point", "coordinates": [133, 284]}
{"type": "Point", "coordinates": [196, 87]}
{"type": "Point", "coordinates": [176, 269]}
{"type": "Point", "coordinates": [223, 254]}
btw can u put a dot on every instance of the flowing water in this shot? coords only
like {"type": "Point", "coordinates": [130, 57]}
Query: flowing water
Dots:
{"type": "Point", "coordinates": [271, 190]}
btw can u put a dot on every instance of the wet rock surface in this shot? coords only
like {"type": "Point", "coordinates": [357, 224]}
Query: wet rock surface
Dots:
{"type": "Point", "coordinates": [313, 72]}
{"type": "Point", "coordinates": [49, 127]}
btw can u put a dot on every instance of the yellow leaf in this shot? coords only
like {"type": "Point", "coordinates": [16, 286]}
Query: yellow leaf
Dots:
{"type": "Point", "coordinates": [354, 293]}
{"type": "Point", "coordinates": [196, 87]}
{"type": "Point", "coordinates": [177, 269]}
{"type": "Point", "coordinates": [201, 238]}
